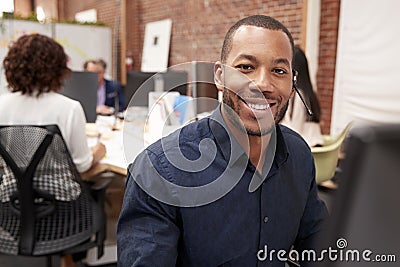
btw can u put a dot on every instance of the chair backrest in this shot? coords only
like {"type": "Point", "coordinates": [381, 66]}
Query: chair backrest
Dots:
{"type": "Point", "coordinates": [45, 208]}
{"type": "Point", "coordinates": [326, 157]}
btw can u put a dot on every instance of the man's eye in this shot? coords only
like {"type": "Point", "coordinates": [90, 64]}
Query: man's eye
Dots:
{"type": "Point", "coordinates": [244, 67]}
{"type": "Point", "coordinates": [279, 71]}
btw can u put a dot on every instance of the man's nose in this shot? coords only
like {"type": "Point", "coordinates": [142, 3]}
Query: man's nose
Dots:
{"type": "Point", "coordinates": [263, 82]}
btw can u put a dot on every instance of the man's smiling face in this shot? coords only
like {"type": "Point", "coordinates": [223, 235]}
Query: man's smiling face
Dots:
{"type": "Point", "coordinates": [257, 78]}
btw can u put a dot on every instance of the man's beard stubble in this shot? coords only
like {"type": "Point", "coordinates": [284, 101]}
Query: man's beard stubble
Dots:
{"type": "Point", "coordinates": [233, 113]}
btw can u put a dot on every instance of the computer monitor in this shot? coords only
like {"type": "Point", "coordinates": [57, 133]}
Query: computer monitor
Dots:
{"type": "Point", "coordinates": [135, 79]}
{"type": "Point", "coordinates": [164, 81]}
{"type": "Point", "coordinates": [82, 86]}
{"type": "Point", "coordinates": [365, 215]}
{"type": "Point", "coordinates": [205, 89]}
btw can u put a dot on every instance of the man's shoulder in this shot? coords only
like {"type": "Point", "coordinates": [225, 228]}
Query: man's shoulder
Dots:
{"type": "Point", "coordinates": [300, 159]}
{"type": "Point", "coordinates": [184, 141]}
{"type": "Point", "coordinates": [188, 135]}
{"type": "Point", "coordinates": [293, 139]}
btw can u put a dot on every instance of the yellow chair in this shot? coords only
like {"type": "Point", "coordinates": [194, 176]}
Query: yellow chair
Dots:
{"type": "Point", "coordinates": [326, 157]}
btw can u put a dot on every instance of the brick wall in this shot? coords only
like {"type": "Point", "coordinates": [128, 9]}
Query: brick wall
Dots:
{"type": "Point", "coordinates": [134, 31]}
{"type": "Point", "coordinates": [22, 7]}
{"type": "Point", "coordinates": [198, 27]}
{"type": "Point", "coordinates": [327, 59]}
{"type": "Point", "coordinates": [105, 9]}
{"type": "Point", "coordinates": [50, 7]}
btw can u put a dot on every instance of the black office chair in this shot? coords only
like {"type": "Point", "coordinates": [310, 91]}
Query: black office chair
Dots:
{"type": "Point", "coordinates": [45, 207]}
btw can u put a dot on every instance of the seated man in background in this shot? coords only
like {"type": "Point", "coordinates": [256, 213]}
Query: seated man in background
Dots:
{"type": "Point", "coordinates": [107, 91]}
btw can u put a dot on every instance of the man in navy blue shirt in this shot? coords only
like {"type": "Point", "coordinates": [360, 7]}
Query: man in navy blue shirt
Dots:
{"type": "Point", "coordinates": [235, 188]}
{"type": "Point", "coordinates": [107, 91]}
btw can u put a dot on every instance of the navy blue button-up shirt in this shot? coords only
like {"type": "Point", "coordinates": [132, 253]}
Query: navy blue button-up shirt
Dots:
{"type": "Point", "coordinates": [281, 214]}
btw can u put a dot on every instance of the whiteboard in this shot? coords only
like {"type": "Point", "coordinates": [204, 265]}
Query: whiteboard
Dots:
{"type": "Point", "coordinates": [80, 42]}
{"type": "Point", "coordinates": [11, 30]}
{"type": "Point", "coordinates": [367, 88]}
{"type": "Point", "coordinates": [83, 42]}
{"type": "Point", "coordinates": [156, 46]}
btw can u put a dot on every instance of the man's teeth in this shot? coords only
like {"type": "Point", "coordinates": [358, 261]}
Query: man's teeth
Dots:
{"type": "Point", "coordinates": [257, 106]}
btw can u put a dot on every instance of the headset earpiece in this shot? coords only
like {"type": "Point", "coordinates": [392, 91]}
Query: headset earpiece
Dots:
{"type": "Point", "coordinates": [294, 86]}
{"type": "Point", "coordinates": [294, 80]}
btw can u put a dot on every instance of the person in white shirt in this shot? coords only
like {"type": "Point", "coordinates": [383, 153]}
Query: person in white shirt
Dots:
{"type": "Point", "coordinates": [35, 69]}
{"type": "Point", "coordinates": [296, 116]}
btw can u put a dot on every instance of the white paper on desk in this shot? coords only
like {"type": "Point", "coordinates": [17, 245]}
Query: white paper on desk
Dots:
{"type": "Point", "coordinates": [114, 147]}
{"type": "Point", "coordinates": [162, 119]}
{"type": "Point", "coordinates": [162, 104]}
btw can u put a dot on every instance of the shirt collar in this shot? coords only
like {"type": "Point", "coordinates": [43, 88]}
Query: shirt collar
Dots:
{"type": "Point", "coordinates": [224, 138]}
{"type": "Point", "coordinates": [282, 151]}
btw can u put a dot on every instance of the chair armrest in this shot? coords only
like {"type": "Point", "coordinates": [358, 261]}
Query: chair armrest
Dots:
{"type": "Point", "coordinates": [327, 148]}
{"type": "Point", "coordinates": [101, 184]}
{"type": "Point", "coordinates": [98, 188]}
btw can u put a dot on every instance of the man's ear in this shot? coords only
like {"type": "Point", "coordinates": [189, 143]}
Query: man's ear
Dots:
{"type": "Point", "coordinates": [219, 75]}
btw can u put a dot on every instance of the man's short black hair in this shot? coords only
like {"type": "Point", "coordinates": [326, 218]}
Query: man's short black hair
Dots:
{"type": "Point", "coordinates": [258, 21]}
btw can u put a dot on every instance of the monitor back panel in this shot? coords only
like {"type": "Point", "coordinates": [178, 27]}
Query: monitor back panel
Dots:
{"type": "Point", "coordinates": [139, 84]}
{"type": "Point", "coordinates": [82, 86]}
{"type": "Point", "coordinates": [366, 212]}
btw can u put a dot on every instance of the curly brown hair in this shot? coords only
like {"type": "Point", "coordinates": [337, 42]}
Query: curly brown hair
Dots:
{"type": "Point", "coordinates": [36, 63]}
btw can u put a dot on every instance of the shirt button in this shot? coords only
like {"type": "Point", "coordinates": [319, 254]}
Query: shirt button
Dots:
{"type": "Point", "coordinates": [266, 219]}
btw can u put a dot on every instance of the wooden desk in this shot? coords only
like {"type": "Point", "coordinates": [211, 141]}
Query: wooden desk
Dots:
{"type": "Point", "coordinates": [122, 145]}
{"type": "Point", "coordinates": [100, 168]}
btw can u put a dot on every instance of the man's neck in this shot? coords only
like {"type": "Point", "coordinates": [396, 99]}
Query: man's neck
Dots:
{"type": "Point", "coordinates": [254, 146]}
{"type": "Point", "coordinates": [258, 149]}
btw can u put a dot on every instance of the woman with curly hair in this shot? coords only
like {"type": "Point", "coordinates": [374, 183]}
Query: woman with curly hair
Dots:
{"type": "Point", "coordinates": [35, 69]}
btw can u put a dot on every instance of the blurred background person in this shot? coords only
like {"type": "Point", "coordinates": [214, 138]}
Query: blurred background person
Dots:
{"type": "Point", "coordinates": [107, 89]}
{"type": "Point", "coordinates": [35, 69]}
{"type": "Point", "coordinates": [296, 116]}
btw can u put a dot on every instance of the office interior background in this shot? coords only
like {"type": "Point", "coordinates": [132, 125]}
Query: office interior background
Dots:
{"type": "Point", "coordinates": [352, 47]}
{"type": "Point", "coordinates": [198, 29]}
{"type": "Point", "coordinates": [349, 51]}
